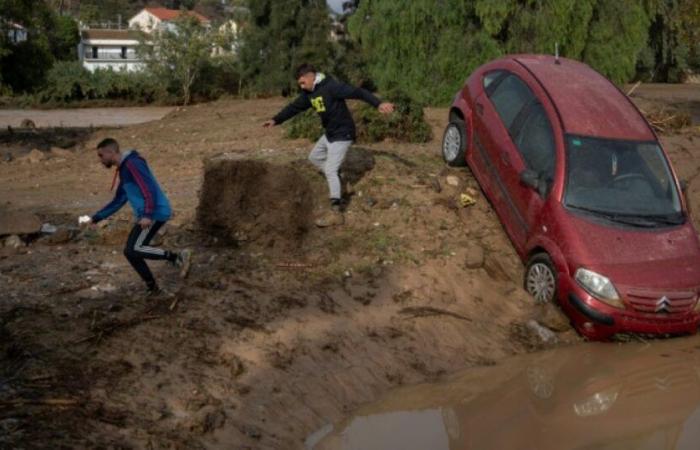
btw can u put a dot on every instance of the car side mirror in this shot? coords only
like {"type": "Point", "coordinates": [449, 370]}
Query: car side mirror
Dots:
{"type": "Point", "coordinates": [531, 179]}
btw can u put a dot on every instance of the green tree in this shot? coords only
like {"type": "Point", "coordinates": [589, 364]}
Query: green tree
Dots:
{"type": "Point", "coordinates": [423, 47]}
{"type": "Point", "coordinates": [23, 65]}
{"type": "Point", "coordinates": [178, 54]}
{"type": "Point", "coordinates": [281, 35]}
{"type": "Point", "coordinates": [674, 40]}
{"type": "Point", "coordinates": [428, 47]}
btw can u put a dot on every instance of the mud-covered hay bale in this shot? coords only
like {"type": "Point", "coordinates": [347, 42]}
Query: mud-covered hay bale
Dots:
{"type": "Point", "coordinates": [255, 201]}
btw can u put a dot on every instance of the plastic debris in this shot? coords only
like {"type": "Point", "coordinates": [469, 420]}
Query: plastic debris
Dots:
{"type": "Point", "coordinates": [466, 200]}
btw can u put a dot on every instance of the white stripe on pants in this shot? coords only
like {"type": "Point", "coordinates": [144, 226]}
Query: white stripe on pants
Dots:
{"type": "Point", "coordinates": [328, 157]}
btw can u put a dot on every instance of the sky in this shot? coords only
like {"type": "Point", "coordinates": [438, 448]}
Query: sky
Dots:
{"type": "Point", "coordinates": [335, 5]}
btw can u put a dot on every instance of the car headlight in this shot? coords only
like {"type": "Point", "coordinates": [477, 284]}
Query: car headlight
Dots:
{"type": "Point", "coordinates": [598, 286]}
{"type": "Point", "coordinates": [597, 403]}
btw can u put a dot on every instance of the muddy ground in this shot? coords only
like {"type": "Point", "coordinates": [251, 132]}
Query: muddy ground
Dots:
{"type": "Point", "coordinates": [268, 339]}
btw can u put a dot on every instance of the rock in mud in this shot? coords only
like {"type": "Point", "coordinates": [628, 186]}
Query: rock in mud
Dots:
{"type": "Point", "coordinates": [271, 204]}
{"type": "Point", "coordinates": [544, 334]}
{"type": "Point", "coordinates": [452, 180]}
{"type": "Point", "coordinates": [13, 242]}
{"type": "Point", "coordinates": [19, 222]}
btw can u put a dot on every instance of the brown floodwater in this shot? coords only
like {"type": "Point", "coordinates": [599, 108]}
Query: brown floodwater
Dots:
{"type": "Point", "coordinates": [641, 396]}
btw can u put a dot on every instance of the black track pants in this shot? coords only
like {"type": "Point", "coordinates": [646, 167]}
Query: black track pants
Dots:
{"type": "Point", "coordinates": [137, 251]}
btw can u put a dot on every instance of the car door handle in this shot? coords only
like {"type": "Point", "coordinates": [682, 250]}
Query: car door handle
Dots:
{"type": "Point", "coordinates": [479, 108]}
{"type": "Point", "coordinates": [505, 158]}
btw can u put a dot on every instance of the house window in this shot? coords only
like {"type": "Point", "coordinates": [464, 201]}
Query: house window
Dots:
{"type": "Point", "coordinates": [94, 52]}
{"type": "Point", "coordinates": [123, 52]}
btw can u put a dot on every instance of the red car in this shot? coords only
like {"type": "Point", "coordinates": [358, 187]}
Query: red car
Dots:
{"type": "Point", "coordinates": [585, 192]}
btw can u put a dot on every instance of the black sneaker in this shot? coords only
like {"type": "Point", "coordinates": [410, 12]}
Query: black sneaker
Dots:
{"type": "Point", "coordinates": [154, 291]}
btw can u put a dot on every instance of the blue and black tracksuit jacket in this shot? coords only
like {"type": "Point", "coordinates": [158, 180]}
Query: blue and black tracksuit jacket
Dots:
{"type": "Point", "coordinates": [139, 187]}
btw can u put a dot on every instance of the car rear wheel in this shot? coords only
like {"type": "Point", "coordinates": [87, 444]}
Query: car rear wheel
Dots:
{"type": "Point", "coordinates": [454, 143]}
{"type": "Point", "coordinates": [541, 278]}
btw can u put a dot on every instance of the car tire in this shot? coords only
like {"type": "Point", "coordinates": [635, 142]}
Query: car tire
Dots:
{"type": "Point", "coordinates": [454, 143]}
{"type": "Point", "coordinates": [541, 278]}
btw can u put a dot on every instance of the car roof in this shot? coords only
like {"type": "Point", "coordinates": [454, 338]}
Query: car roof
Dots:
{"type": "Point", "coordinates": [588, 103]}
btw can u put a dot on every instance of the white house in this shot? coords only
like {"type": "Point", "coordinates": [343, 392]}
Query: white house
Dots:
{"type": "Point", "coordinates": [109, 49]}
{"type": "Point", "coordinates": [229, 31]}
{"type": "Point", "coordinates": [17, 33]}
{"type": "Point", "coordinates": [149, 19]}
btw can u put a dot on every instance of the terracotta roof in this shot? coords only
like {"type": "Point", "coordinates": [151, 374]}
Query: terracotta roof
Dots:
{"type": "Point", "coordinates": [110, 34]}
{"type": "Point", "coordinates": [172, 14]}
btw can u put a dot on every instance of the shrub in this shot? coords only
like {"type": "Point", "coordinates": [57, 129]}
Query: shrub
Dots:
{"type": "Point", "coordinates": [305, 125]}
{"type": "Point", "coordinates": [406, 124]}
{"type": "Point", "coordinates": [70, 81]}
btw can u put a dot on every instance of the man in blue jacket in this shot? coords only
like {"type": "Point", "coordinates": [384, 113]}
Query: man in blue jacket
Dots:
{"type": "Point", "coordinates": [151, 207]}
{"type": "Point", "coordinates": [327, 97]}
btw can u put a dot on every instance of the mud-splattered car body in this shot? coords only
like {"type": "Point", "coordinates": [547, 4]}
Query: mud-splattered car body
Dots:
{"type": "Point", "coordinates": [585, 192]}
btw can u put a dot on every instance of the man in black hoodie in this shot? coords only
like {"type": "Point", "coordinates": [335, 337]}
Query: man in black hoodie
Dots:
{"type": "Point", "coordinates": [327, 96]}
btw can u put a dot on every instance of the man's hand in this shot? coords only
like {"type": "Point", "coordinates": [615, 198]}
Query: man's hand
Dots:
{"type": "Point", "coordinates": [386, 108]}
{"type": "Point", "coordinates": [145, 222]}
{"type": "Point", "coordinates": [269, 123]}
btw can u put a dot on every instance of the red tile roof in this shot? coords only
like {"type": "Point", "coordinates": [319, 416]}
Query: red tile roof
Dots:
{"type": "Point", "coordinates": [172, 14]}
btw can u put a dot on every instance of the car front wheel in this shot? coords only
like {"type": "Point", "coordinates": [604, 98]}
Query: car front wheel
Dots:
{"type": "Point", "coordinates": [541, 278]}
{"type": "Point", "coordinates": [454, 143]}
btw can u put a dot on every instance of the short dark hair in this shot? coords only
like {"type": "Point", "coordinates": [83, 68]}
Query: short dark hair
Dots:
{"type": "Point", "coordinates": [304, 69]}
{"type": "Point", "coordinates": [107, 142]}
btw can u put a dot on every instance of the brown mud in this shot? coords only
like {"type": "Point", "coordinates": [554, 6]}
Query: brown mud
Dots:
{"type": "Point", "coordinates": [281, 327]}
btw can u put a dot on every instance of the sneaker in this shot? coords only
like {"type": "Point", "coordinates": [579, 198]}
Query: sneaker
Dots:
{"type": "Point", "coordinates": [154, 291]}
{"type": "Point", "coordinates": [183, 261]}
{"type": "Point", "coordinates": [330, 219]}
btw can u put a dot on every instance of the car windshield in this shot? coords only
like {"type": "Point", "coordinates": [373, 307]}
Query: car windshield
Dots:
{"type": "Point", "coordinates": [623, 181]}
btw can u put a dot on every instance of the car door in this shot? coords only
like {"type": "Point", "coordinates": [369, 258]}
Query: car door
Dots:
{"type": "Point", "coordinates": [534, 149]}
{"type": "Point", "coordinates": [506, 98]}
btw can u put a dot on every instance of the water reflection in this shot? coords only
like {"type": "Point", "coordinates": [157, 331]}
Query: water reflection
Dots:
{"type": "Point", "coordinates": [593, 396]}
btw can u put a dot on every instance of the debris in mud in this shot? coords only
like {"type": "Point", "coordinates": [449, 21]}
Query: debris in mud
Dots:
{"type": "Point", "coordinates": [270, 204]}
{"type": "Point", "coordinates": [665, 119]}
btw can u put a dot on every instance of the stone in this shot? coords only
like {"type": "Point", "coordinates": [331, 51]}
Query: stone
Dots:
{"type": "Point", "coordinates": [14, 241]}
{"type": "Point", "coordinates": [475, 257]}
{"type": "Point", "coordinates": [18, 222]}
{"type": "Point", "coordinates": [544, 334]}
{"type": "Point", "coordinates": [452, 180]}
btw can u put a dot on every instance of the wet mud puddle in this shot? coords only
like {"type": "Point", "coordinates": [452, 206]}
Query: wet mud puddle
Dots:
{"type": "Point", "coordinates": [639, 396]}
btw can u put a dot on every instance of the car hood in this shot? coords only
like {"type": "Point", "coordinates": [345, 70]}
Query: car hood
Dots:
{"type": "Point", "coordinates": [653, 258]}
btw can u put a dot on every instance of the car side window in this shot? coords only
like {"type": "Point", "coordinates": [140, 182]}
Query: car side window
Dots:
{"type": "Point", "coordinates": [491, 79]}
{"type": "Point", "coordinates": [509, 97]}
{"type": "Point", "coordinates": [535, 141]}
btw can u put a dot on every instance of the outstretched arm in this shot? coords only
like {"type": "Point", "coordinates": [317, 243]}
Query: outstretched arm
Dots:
{"type": "Point", "coordinates": [111, 207]}
{"type": "Point", "coordinates": [343, 90]}
{"type": "Point", "coordinates": [300, 104]}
